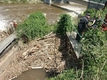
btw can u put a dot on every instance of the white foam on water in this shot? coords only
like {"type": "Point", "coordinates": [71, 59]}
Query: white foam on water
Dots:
{"type": "Point", "coordinates": [2, 26]}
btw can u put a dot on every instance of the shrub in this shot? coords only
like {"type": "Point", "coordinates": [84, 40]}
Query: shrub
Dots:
{"type": "Point", "coordinates": [64, 24]}
{"type": "Point", "coordinates": [95, 60]}
{"type": "Point", "coordinates": [67, 75]}
{"type": "Point", "coordinates": [34, 26]}
{"type": "Point", "coordinates": [94, 13]}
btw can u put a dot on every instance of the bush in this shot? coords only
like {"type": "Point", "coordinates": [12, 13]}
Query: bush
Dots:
{"type": "Point", "coordinates": [94, 49]}
{"type": "Point", "coordinates": [64, 24]}
{"type": "Point", "coordinates": [67, 75]}
{"type": "Point", "coordinates": [95, 60]}
{"type": "Point", "coordinates": [94, 13]}
{"type": "Point", "coordinates": [34, 26]}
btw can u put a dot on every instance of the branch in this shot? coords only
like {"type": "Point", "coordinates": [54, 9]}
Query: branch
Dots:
{"type": "Point", "coordinates": [103, 65]}
{"type": "Point", "coordinates": [82, 73]}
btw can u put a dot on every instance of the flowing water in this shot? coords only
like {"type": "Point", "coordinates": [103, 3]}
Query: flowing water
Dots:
{"type": "Point", "coordinates": [18, 12]}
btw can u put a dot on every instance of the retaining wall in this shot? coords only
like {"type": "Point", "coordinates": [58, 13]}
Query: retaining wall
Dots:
{"type": "Point", "coordinates": [90, 4]}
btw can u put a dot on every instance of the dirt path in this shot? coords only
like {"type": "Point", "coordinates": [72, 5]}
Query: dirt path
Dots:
{"type": "Point", "coordinates": [46, 53]}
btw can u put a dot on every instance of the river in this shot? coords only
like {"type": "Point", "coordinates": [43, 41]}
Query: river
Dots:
{"type": "Point", "coordinates": [19, 12]}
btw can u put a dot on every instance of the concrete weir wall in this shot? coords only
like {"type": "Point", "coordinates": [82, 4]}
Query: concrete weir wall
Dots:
{"type": "Point", "coordinates": [88, 3]}
{"type": "Point", "coordinates": [48, 1]}
{"type": "Point", "coordinates": [55, 1]}
{"type": "Point", "coordinates": [92, 4]}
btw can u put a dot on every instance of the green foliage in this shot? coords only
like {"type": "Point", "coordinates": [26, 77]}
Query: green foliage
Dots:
{"type": "Point", "coordinates": [91, 11]}
{"type": "Point", "coordinates": [14, 1]}
{"type": "Point", "coordinates": [94, 49]}
{"type": "Point", "coordinates": [23, 1]}
{"type": "Point", "coordinates": [64, 24]}
{"type": "Point", "coordinates": [67, 75]}
{"type": "Point", "coordinates": [94, 13]}
{"type": "Point", "coordinates": [34, 26]}
{"type": "Point", "coordinates": [94, 63]}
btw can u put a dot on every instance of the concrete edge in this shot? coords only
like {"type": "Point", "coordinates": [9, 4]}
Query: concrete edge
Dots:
{"type": "Point", "coordinates": [88, 1]}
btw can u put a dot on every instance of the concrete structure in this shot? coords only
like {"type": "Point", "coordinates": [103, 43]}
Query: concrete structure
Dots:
{"type": "Point", "coordinates": [4, 44]}
{"type": "Point", "coordinates": [88, 3]}
{"type": "Point", "coordinates": [48, 1]}
{"type": "Point", "coordinates": [55, 1]}
{"type": "Point", "coordinates": [76, 46]}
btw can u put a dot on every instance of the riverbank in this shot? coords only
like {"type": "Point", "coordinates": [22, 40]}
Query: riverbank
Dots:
{"type": "Point", "coordinates": [46, 53]}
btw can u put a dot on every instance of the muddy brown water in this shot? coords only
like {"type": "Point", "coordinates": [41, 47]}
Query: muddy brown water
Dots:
{"type": "Point", "coordinates": [18, 12]}
{"type": "Point", "coordinates": [32, 74]}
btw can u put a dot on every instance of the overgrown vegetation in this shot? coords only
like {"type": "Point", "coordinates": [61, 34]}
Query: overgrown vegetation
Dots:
{"type": "Point", "coordinates": [94, 49]}
{"type": "Point", "coordinates": [13, 1]}
{"type": "Point", "coordinates": [94, 61]}
{"type": "Point", "coordinates": [94, 13]}
{"type": "Point", "coordinates": [67, 75]}
{"type": "Point", "coordinates": [64, 24]}
{"type": "Point", "coordinates": [34, 26]}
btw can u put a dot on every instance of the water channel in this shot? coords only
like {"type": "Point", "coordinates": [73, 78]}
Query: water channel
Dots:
{"type": "Point", "coordinates": [18, 12]}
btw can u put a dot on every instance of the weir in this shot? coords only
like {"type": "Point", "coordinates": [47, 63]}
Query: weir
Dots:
{"type": "Point", "coordinates": [48, 1]}
{"type": "Point", "coordinates": [88, 3]}
{"type": "Point", "coordinates": [55, 1]}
